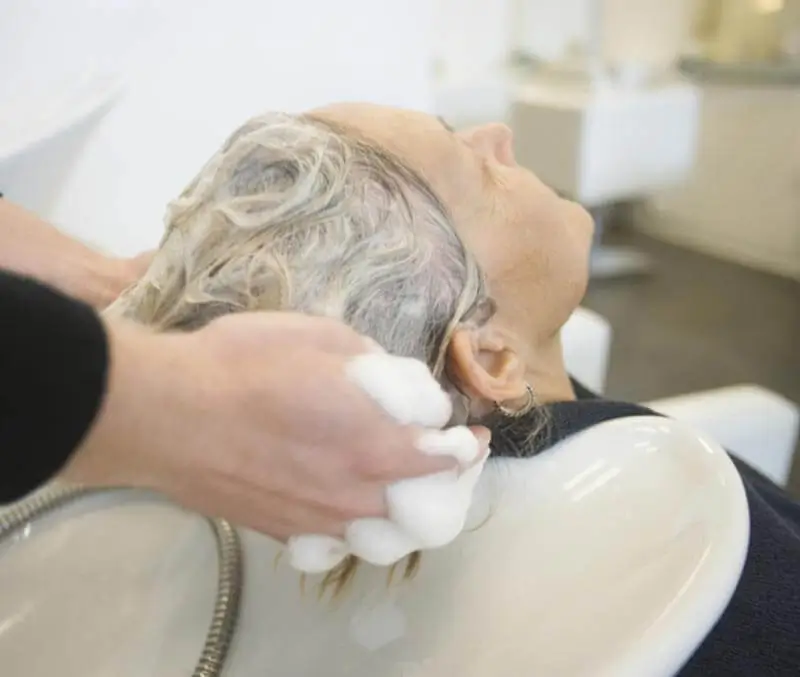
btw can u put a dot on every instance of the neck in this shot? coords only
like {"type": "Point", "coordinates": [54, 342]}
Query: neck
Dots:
{"type": "Point", "coordinates": [547, 373]}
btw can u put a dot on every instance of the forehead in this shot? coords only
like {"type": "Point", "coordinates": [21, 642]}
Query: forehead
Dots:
{"type": "Point", "coordinates": [418, 139]}
{"type": "Point", "coordinates": [396, 126]}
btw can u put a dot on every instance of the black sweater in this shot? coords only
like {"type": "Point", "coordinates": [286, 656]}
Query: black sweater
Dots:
{"type": "Point", "coordinates": [53, 361]}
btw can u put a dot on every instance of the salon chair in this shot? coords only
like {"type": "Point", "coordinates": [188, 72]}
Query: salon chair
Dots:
{"type": "Point", "coordinates": [612, 554]}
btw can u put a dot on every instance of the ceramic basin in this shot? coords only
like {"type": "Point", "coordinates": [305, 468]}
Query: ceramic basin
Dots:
{"type": "Point", "coordinates": [611, 554]}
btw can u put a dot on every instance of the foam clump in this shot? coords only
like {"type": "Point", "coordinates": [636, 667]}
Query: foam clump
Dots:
{"type": "Point", "coordinates": [424, 512]}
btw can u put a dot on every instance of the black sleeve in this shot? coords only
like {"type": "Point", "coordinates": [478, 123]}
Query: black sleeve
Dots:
{"type": "Point", "coordinates": [53, 364]}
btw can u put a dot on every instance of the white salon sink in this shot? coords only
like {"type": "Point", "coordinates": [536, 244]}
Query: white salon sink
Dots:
{"type": "Point", "coordinates": [612, 554]}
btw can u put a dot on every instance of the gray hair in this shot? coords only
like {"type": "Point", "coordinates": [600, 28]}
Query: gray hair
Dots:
{"type": "Point", "coordinates": [294, 213]}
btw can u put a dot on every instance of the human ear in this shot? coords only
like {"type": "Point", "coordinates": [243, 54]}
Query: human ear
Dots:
{"type": "Point", "coordinates": [482, 364]}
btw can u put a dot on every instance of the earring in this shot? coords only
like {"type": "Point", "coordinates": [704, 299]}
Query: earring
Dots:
{"type": "Point", "coordinates": [510, 413]}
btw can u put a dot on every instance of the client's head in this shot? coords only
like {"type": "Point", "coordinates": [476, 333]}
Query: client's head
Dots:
{"type": "Point", "coordinates": [391, 222]}
{"type": "Point", "coordinates": [398, 226]}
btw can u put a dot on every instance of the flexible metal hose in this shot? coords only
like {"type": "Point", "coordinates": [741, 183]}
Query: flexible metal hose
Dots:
{"type": "Point", "coordinates": [229, 553]}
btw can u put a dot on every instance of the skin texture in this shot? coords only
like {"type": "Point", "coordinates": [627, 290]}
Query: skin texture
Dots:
{"type": "Point", "coordinates": [532, 244]}
{"type": "Point", "coordinates": [30, 246]}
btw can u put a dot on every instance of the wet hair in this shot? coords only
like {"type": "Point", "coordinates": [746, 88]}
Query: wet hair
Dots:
{"type": "Point", "coordinates": [294, 213]}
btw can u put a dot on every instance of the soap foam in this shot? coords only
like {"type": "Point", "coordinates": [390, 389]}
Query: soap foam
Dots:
{"type": "Point", "coordinates": [379, 541]}
{"type": "Point", "coordinates": [424, 512]}
{"type": "Point", "coordinates": [315, 553]}
{"type": "Point", "coordinates": [403, 387]}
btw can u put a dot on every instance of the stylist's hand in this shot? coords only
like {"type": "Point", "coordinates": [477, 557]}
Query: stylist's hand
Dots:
{"type": "Point", "coordinates": [251, 419]}
{"type": "Point", "coordinates": [31, 246]}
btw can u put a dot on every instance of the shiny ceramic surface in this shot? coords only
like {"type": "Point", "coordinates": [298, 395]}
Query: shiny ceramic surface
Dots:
{"type": "Point", "coordinates": [612, 555]}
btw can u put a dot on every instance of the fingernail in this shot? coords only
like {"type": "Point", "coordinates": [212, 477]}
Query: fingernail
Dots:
{"type": "Point", "coordinates": [484, 436]}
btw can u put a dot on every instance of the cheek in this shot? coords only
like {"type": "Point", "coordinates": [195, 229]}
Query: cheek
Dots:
{"type": "Point", "coordinates": [534, 248]}
{"type": "Point", "coordinates": [583, 224]}
{"type": "Point", "coordinates": [550, 256]}
{"type": "Point", "coordinates": [570, 264]}
{"type": "Point", "coordinates": [581, 238]}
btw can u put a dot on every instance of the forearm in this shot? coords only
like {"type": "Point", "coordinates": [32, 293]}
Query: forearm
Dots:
{"type": "Point", "coordinates": [30, 246]}
{"type": "Point", "coordinates": [145, 396]}
{"type": "Point", "coordinates": [83, 395]}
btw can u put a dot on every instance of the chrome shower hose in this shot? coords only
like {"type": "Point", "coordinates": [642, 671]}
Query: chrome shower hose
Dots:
{"type": "Point", "coordinates": [229, 552]}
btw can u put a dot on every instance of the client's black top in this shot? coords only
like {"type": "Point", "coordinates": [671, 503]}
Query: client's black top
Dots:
{"type": "Point", "coordinates": [53, 360]}
{"type": "Point", "coordinates": [759, 633]}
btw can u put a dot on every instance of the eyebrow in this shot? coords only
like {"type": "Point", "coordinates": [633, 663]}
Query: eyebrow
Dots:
{"type": "Point", "coordinates": [447, 126]}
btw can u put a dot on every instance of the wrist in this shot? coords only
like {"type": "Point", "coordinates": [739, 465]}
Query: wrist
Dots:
{"type": "Point", "coordinates": [97, 279]}
{"type": "Point", "coordinates": [126, 443]}
{"type": "Point", "coordinates": [31, 246]}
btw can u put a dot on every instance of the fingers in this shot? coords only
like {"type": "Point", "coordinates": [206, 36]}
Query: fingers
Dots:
{"type": "Point", "coordinates": [320, 512]}
{"type": "Point", "coordinates": [140, 264]}
{"type": "Point", "coordinates": [296, 330]}
{"type": "Point", "coordinates": [328, 512]}
{"type": "Point", "coordinates": [465, 455]}
{"type": "Point", "coordinates": [335, 441]}
{"type": "Point", "coordinates": [327, 334]}
{"type": "Point", "coordinates": [402, 458]}
{"type": "Point", "coordinates": [484, 436]}
{"type": "Point", "coordinates": [281, 519]}
{"type": "Point", "coordinates": [367, 500]}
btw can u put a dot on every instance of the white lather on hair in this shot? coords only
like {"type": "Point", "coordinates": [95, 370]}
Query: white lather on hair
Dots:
{"type": "Point", "coordinates": [426, 512]}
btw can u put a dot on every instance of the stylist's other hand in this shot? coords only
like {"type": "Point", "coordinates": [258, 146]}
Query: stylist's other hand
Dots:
{"type": "Point", "coordinates": [113, 275]}
{"type": "Point", "coordinates": [253, 419]}
{"type": "Point", "coordinates": [128, 271]}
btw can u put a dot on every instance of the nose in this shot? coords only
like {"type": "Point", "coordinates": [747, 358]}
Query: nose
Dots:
{"type": "Point", "coordinates": [495, 141]}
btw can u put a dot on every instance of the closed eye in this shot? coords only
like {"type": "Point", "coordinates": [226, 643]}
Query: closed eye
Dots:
{"type": "Point", "coordinates": [447, 126]}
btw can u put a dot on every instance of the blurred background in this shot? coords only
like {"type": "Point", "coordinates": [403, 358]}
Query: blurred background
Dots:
{"type": "Point", "coordinates": [677, 123]}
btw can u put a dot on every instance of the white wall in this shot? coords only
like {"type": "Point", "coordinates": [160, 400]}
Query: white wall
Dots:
{"type": "Point", "coordinates": [472, 36]}
{"type": "Point", "coordinates": [475, 37]}
{"type": "Point", "coordinates": [742, 202]}
{"type": "Point", "coordinates": [192, 72]}
{"type": "Point", "coordinates": [547, 29]}
{"type": "Point", "coordinates": [642, 31]}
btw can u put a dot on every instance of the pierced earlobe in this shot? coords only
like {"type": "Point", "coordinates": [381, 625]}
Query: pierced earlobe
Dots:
{"type": "Point", "coordinates": [517, 413]}
{"type": "Point", "coordinates": [461, 401]}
